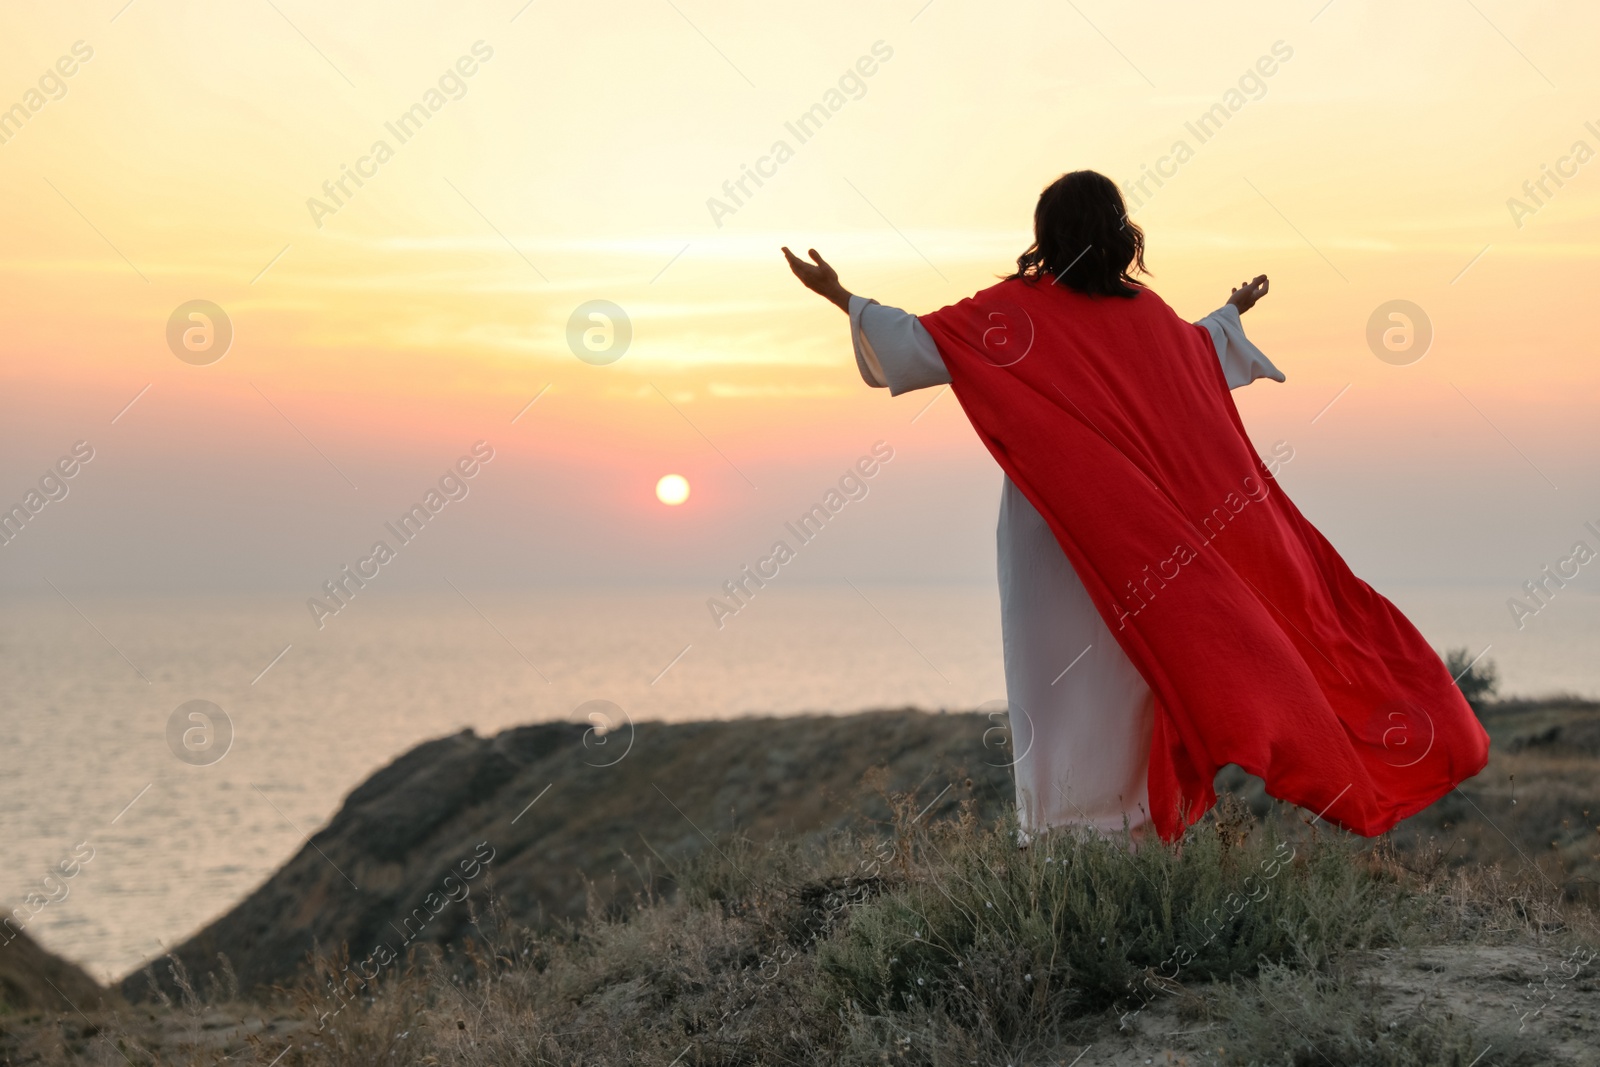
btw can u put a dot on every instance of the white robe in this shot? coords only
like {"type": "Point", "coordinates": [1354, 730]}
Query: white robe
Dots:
{"type": "Point", "coordinates": [1080, 712]}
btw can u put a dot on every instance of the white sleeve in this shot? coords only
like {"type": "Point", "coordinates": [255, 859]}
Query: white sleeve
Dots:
{"type": "Point", "coordinates": [893, 348]}
{"type": "Point", "coordinates": [1242, 362]}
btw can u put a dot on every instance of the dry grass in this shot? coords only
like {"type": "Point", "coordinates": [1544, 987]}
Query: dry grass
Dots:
{"type": "Point", "coordinates": [942, 943]}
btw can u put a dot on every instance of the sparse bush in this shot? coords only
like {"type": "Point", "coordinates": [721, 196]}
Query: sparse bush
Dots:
{"type": "Point", "coordinates": [1022, 942]}
{"type": "Point", "coordinates": [1478, 679]}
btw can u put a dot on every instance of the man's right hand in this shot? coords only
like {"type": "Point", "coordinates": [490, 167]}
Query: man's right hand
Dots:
{"type": "Point", "coordinates": [819, 277]}
{"type": "Point", "coordinates": [1244, 298]}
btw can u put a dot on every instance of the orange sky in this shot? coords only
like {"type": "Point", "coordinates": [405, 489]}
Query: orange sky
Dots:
{"type": "Point", "coordinates": [575, 163]}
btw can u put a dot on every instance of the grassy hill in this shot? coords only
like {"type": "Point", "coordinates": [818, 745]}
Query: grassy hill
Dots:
{"type": "Point", "coordinates": [847, 890]}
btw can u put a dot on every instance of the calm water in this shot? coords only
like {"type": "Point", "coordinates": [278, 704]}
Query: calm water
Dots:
{"type": "Point", "coordinates": [85, 702]}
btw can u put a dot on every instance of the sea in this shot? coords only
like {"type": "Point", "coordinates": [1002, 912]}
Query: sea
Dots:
{"type": "Point", "coordinates": [172, 752]}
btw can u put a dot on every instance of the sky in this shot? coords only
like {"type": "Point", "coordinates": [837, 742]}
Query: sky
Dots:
{"type": "Point", "coordinates": [559, 155]}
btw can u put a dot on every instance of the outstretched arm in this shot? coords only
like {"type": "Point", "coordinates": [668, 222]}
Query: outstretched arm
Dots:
{"type": "Point", "coordinates": [893, 349]}
{"type": "Point", "coordinates": [820, 278]}
{"type": "Point", "coordinates": [1242, 362]}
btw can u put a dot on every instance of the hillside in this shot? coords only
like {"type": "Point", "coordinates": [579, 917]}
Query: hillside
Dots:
{"type": "Point", "coordinates": [845, 889]}
{"type": "Point", "coordinates": [606, 813]}
{"type": "Point", "coordinates": [32, 979]}
{"type": "Point", "coordinates": [572, 819]}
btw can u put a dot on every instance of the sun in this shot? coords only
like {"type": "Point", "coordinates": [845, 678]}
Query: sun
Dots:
{"type": "Point", "coordinates": [672, 489]}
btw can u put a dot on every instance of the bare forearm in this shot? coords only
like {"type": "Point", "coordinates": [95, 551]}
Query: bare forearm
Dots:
{"type": "Point", "coordinates": [838, 296]}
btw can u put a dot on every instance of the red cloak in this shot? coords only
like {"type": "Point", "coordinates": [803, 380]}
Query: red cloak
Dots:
{"type": "Point", "coordinates": [1261, 647]}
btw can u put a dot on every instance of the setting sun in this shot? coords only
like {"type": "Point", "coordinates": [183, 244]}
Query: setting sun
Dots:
{"type": "Point", "coordinates": [672, 489]}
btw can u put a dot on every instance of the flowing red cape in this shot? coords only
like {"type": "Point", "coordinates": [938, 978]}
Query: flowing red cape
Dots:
{"type": "Point", "coordinates": [1262, 649]}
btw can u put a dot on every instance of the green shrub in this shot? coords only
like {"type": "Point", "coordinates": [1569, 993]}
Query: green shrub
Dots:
{"type": "Point", "coordinates": [1078, 923]}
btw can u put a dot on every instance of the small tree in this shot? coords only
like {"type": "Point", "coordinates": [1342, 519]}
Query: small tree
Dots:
{"type": "Point", "coordinates": [1477, 679]}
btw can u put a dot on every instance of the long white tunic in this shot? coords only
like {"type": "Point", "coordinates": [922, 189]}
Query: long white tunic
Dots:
{"type": "Point", "coordinates": [1080, 712]}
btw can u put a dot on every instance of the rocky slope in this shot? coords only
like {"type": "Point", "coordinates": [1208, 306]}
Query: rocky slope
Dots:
{"type": "Point", "coordinates": [32, 979]}
{"type": "Point", "coordinates": [546, 816]}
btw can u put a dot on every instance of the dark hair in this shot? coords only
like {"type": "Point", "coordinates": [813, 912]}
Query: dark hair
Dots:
{"type": "Point", "coordinates": [1083, 238]}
